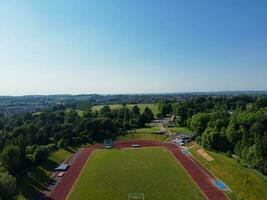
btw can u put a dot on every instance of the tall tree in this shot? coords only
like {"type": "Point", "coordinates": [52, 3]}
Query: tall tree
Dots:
{"type": "Point", "coordinates": [136, 110]}
{"type": "Point", "coordinates": [11, 159]}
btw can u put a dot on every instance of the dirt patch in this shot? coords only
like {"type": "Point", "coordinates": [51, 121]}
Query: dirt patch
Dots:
{"type": "Point", "coordinates": [205, 155]}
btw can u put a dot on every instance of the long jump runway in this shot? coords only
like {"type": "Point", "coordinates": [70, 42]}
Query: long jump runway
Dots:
{"type": "Point", "coordinates": [202, 177]}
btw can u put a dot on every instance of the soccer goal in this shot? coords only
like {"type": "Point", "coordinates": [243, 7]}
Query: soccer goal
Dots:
{"type": "Point", "coordinates": [108, 143]}
{"type": "Point", "coordinates": [136, 196]}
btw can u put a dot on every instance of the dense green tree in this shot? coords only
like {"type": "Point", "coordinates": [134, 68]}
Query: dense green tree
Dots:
{"type": "Point", "coordinates": [149, 114]}
{"type": "Point", "coordinates": [40, 154]}
{"type": "Point", "coordinates": [11, 159]}
{"type": "Point", "coordinates": [72, 116]}
{"type": "Point", "coordinates": [257, 130]}
{"type": "Point", "coordinates": [136, 110]}
{"type": "Point", "coordinates": [105, 111]}
{"type": "Point", "coordinates": [179, 121]}
{"type": "Point", "coordinates": [8, 189]}
{"type": "Point", "coordinates": [199, 122]}
{"type": "Point", "coordinates": [164, 107]}
{"type": "Point", "coordinates": [214, 139]}
{"type": "Point", "coordinates": [210, 139]}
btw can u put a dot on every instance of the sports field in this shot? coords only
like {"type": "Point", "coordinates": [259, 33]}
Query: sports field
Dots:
{"type": "Point", "coordinates": [112, 174]}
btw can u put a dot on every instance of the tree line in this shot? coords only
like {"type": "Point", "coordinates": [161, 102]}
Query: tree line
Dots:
{"type": "Point", "coordinates": [27, 139]}
{"type": "Point", "coordinates": [235, 125]}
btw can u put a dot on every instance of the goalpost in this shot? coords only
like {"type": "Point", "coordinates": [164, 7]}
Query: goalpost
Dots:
{"type": "Point", "coordinates": [136, 196]}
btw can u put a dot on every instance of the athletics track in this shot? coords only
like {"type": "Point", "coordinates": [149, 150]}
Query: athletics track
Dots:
{"type": "Point", "coordinates": [202, 177]}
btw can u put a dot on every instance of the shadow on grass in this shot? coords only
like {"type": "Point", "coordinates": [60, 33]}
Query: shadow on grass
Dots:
{"type": "Point", "coordinates": [32, 184]}
{"type": "Point", "coordinates": [50, 165]}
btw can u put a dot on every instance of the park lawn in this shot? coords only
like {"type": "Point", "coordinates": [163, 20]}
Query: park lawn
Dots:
{"type": "Point", "coordinates": [30, 185]}
{"type": "Point", "coordinates": [113, 174]}
{"type": "Point", "coordinates": [245, 183]}
{"type": "Point", "coordinates": [180, 130]}
{"type": "Point", "coordinates": [142, 136]}
{"type": "Point", "coordinates": [153, 129]}
{"type": "Point", "coordinates": [148, 133]}
{"type": "Point", "coordinates": [153, 107]}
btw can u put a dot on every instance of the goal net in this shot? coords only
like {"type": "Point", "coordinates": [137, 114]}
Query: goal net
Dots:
{"type": "Point", "coordinates": [136, 196]}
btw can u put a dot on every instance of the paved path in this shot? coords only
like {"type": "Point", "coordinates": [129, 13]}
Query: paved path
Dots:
{"type": "Point", "coordinates": [202, 177]}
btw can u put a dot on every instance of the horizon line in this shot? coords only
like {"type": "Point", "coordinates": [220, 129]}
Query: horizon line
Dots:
{"type": "Point", "coordinates": [141, 93]}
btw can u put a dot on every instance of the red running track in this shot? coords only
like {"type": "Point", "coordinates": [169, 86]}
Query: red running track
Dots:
{"type": "Point", "coordinates": [200, 175]}
{"type": "Point", "coordinates": [64, 186]}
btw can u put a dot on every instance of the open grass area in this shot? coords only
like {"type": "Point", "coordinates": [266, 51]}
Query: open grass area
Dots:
{"type": "Point", "coordinates": [245, 183]}
{"type": "Point", "coordinates": [153, 129]}
{"type": "Point", "coordinates": [153, 107]}
{"type": "Point", "coordinates": [112, 174]}
{"type": "Point", "coordinates": [31, 184]}
{"type": "Point", "coordinates": [80, 112]}
{"type": "Point", "coordinates": [149, 133]}
{"type": "Point", "coordinates": [142, 136]}
{"type": "Point", "coordinates": [180, 130]}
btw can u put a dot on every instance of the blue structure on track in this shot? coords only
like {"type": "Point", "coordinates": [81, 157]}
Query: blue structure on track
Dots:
{"type": "Point", "coordinates": [220, 185]}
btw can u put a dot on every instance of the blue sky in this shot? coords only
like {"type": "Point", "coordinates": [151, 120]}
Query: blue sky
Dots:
{"type": "Point", "coordinates": [132, 46]}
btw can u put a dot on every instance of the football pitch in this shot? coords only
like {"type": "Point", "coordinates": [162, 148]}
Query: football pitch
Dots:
{"type": "Point", "coordinates": [113, 174]}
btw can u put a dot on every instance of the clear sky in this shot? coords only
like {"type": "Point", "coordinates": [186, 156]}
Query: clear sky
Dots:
{"type": "Point", "coordinates": [132, 46]}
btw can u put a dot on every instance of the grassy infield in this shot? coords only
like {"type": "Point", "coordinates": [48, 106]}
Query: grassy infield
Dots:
{"type": "Point", "coordinates": [112, 174]}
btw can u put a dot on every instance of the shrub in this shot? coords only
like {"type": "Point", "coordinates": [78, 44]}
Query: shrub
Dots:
{"type": "Point", "coordinates": [52, 147]}
{"type": "Point", "coordinates": [61, 143]}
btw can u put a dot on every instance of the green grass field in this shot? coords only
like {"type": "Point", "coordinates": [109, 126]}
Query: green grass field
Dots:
{"type": "Point", "coordinates": [180, 130]}
{"type": "Point", "coordinates": [245, 183]}
{"type": "Point", "coordinates": [112, 174]}
{"type": "Point", "coordinates": [142, 136]}
{"type": "Point", "coordinates": [80, 112]}
{"type": "Point", "coordinates": [153, 129]}
{"type": "Point", "coordinates": [142, 107]}
{"type": "Point", "coordinates": [149, 133]}
{"type": "Point", "coordinates": [31, 184]}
